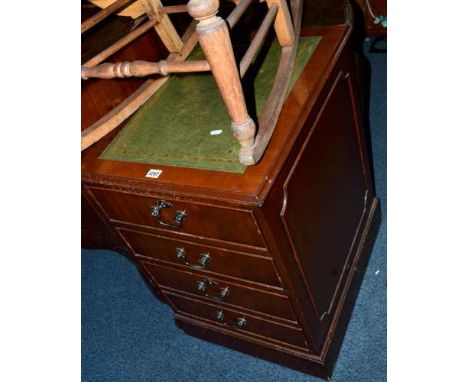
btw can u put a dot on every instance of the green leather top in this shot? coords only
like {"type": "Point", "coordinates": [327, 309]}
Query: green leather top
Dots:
{"type": "Point", "coordinates": [173, 127]}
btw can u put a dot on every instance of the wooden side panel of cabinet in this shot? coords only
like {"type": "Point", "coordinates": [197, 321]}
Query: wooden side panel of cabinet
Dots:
{"type": "Point", "coordinates": [325, 198]}
{"type": "Point", "coordinates": [318, 212]}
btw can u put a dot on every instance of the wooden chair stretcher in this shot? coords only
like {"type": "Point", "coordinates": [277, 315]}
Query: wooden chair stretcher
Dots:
{"type": "Point", "coordinates": [211, 31]}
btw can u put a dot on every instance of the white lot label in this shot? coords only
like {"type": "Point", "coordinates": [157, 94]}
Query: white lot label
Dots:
{"type": "Point", "coordinates": [153, 173]}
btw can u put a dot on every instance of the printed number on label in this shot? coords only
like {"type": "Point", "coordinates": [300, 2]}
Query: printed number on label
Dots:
{"type": "Point", "coordinates": [153, 173]}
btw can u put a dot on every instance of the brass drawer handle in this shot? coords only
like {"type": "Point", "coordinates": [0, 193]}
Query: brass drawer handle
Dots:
{"type": "Point", "coordinates": [202, 261]}
{"type": "Point", "coordinates": [240, 323]}
{"type": "Point", "coordinates": [204, 285]}
{"type": "Point", "coordinates": [178, 217]}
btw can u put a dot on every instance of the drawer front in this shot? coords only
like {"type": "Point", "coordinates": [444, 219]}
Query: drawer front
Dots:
{"type": "Point", "coordinates": [200, 257]}
{"type": "Point", "coordinates": [237, 226]}
{"type": "Point", "coordinates": [238, 321]}
{"type": "Point", "coordinates": [222, 291]}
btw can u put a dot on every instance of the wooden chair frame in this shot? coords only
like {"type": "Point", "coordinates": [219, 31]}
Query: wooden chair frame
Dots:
{"type": "Point", "coordinates": [211, 31]}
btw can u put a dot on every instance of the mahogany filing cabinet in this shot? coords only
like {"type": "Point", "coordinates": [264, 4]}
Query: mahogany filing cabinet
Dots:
{"type": "Point", "coordinates": [267, 262]}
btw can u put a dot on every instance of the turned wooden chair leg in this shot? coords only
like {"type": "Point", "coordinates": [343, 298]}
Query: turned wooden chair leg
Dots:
{"type": "Point", "coordinates": [216, 44]}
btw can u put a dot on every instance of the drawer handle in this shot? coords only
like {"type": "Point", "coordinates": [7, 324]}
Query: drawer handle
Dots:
{"type": "Point", "coordinates": [204, 285]}
{"type": "Point", "coordinates": [178, 217]}
{"type": "Point", "coordinates": [240, 323]}
{"type": "Point", "coordinates": [202, 261]}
